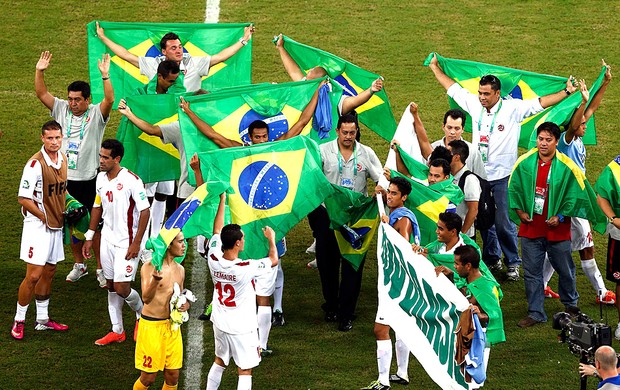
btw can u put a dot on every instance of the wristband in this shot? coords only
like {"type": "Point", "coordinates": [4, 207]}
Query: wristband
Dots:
{"type": "Point", "coordinates": [567, 91]}
{"type": "Point", "coordinates": [88, 236]}
{"type": "Point", "coordinates": [243, 41]}
{"type": "Point", "coordinates": [105, 78]}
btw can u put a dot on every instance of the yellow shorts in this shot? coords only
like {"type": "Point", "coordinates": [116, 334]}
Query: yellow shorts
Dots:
{"type": "Point", "coordinates": [158, 347]}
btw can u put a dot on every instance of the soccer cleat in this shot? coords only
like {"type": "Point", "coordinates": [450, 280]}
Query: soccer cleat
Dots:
{"type": "Point", "coordinates": [312, 264]}
{"type": "Point", "coordinates": [312, 248]}
{"type": "Point", "coordinates": [206, 316]}
{"type": "Point", "coordinates": [17, 331]}
{"type": "Point", "coordinates": [111, 338]}
{"type": "Point", "coordinates": [376, 385]}
{"type": "Point", "coordinates": [135, 330]}
{"type": "Point", "coordinates": [101, 279]}
{"type": "Point", "coordinates": [51, 325]}
{"type": "Point", "coordinates": [278, 318]}
{"type": "Point", "coordinates": [264, 352]}
{"type": "Point", "coordinates": [395, 378]}
{"type": "Point", "coordinates": [513, 273]}
{"type": "Point", "coordinates": [79, 270]}
{"type": "Point", "coordinates": [549, 293]}
{"type": "Point", "coordinates": [608, 299]}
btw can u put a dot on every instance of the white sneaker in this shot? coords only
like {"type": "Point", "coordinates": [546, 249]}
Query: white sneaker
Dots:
{"type": "Point", "coordinates": [78, 271]}
{"type": "Point", "coordinates": [312, 248]}
{"type": "Point", "coordinates": [312, 264]}
{"type": "Point", "coordinates": [101, 279]}
{"type": "Point", "coordinates": [617, 333]}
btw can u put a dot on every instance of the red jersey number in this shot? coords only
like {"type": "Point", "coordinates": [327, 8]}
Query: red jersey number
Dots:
{"type": "Point", "coordinates": [229, 291]}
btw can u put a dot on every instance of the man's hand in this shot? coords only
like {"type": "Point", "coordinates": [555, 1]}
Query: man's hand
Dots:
{"type": "Point", "coordinates": [523, 216]}
{"type": "Point", "coordinates": [419, 249]}
{"type": "Point", "coordinates": [377, 85]}
{"type": "Point", "coordinates": [585, 94]}
{"type": "Point", "coordinates": [553, 221]}
{"type": "Point", "coordinates": [157, 275]}
{"type": "Point", "coordinates": [413, 108]}
{"type": "Point", "coordinates": [387, 173]}
{"type": "Point", "coordinates": [247, 32]}
{"type": "Point", "coordinates": [269, 233]}
{"type": "Point", "coordinates": [571, 84]}
{"type": "Point", "coordinates": [280, 42]}
{"type": "Point", "coordinates": [184, 307]}
{"type": "Point", "coordinates": [123, 108]}
{"type": "Point", "coordinates": [133, 250]}
{"type": "Point", "coordinates": [100, 32]}
{"type": "Point", "coordinates": [104, 65]}
{"type": "Point", "coordinates": [44, 61]}
{"type": "Point", "coordinates": [616, 222]}
{"type": "Point", "coordinates": [607, 71]}
{"type": "Point", "coordinates": [194, 162]}
{"type": "Point", "coordinates": [394, 145]}
{"type": "Point", "coordinates": [184, 105]}
{"type": "Point", "coordinates": [586, 369]}
{"type": "Point", "coordinates": [86, 249]}
{"type": "Point", "coordinates": [434, 63]}
{"type": "Point", "coordinates": [443, 270]}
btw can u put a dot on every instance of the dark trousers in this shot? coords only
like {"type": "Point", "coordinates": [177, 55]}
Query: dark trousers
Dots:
{"type": "Point", "coordinates": [339, 291]}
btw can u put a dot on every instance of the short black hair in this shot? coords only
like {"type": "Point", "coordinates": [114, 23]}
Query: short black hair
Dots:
{"type": "Point", "coordinates": [165, 68]}
{"type": "Point", "coordinates": [460, 147]}
{"type": "Point", "coordinates": [51, 125]}
{"type": "Point", "coordinates": [468, 255]}
{"type": "Point", "coordinates": [455, 113]}
{"type": "Point", "coordinates": [441, 152]}
{"type": "Point", "coordinates": [257, 124]}
{"type": "Point", "coordinates": [452, 221]}
{"type": "Point", "coordinates": [168, 37]}
{"type": "Point", "coordinates": [230, 234]}
{"type": "Point", "coordinates": [350, 117]}
{"type": "Point", "coordinates": [403, 185]}
{"type": "Point", "coordinates": [550, 127]}
{"type": "Point", "coordinates": [115, 147]}
{"type": "Point", "coordinates": [80, 86]}
{"type": "Point", "coordinates": [440, 162]}
{"type": "Point", "coordinates": [491, 80]}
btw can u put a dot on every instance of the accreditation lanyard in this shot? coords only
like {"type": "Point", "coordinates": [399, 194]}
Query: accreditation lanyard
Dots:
{"type": "Point", "coordinates": [347, 182]}
{"type": "Point", "coordinates": [483, 143]}
{"type": "Point", "coordinates": [82, 127]}
{"type": "Point", "coordinates": [541, 193]}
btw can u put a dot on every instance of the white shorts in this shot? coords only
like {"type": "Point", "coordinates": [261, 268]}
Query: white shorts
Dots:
{"type": "Point", "coordinates": [161, 187]}
{"type": "Point", "coordinates": [265, 283]}
{"type": "Point", "coordinates": [41, 244]}
{"type": "Point", "coordinates": [114, 265]}
{"type": "Point", "coordinates": [581, 235]}
{"type": "Point", "coordinates": [244, 348]}
{"type": "Point", "coordinates": [380, 317]}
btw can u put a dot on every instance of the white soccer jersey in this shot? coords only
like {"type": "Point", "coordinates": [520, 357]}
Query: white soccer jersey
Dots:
{"type": "Point", "coordinates": [122, 199]}
{"type": "Point", "coordinates": [234, 297]}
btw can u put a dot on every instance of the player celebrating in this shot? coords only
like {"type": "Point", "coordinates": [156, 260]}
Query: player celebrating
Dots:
{"type": "Point", "coordinates": [121, 200]}
{"type": "Point", "coordinates": [234, 300]}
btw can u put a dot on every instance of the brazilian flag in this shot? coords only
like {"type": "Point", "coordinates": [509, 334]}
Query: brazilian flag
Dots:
{"type": "Point", "coordinates": [146, 155]}
{"type": "Point", "coordinates": [142, 39]}
{"type": "Point", "coordinates": [376, 113]}
{"type": "Point", "coordinates": [608, 184]}
{"type": "Point", "coordinates": [354, 218]}
{"type": "Point", "coordinates": [520, 84]}
{"type": "Point", "coordinates": [266, 187]}
{"type": "Point", "coordinates": [231, 110]}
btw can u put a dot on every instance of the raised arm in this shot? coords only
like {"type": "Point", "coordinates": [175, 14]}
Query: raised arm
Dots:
{"type": "Point", "coordinates": [443, 79]}
{"type": "Point", "coordinates": [234, 48]}
{"type": "Point", "coordinates": [116, 48]}
{"type": "Point", "coordinates": [218, 222]}
{"type": "Point", "coordinates": [555, 98]}
{"type": "Point", "coordinates": [400, 164]}
{"type": "Point", "coordinates": [108, 91]}
{"type": "Point", "coordinates": [575, 121]}
{"type": "Point", "coordinates": [141, 124]}
{"type": "Point", "coordinates": [206, 129]}
{"type": "Point", "coordinates": [420, 131]}
{"type": "Point", "coordinates": [289, 63]}
{"type": "Point", "coordinates": [273, 251]}
{"type": "Point", "coordinates": [304, 118]}
{"type": "Point", "coordinates": [598, 96]}
{"type": "Point", "coordinates": [194, 163]}
{"type": "Point", "coordinates": [39, 81]}
{"type": "Point", "coordinates": [352, 102]}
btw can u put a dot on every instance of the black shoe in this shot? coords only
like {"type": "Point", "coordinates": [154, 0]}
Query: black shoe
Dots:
{"type": "Point", "coordinates": [345, 325]}
{"type": "Point", "coordinates": [394, 378]}
{"type": "Point", "coordinates": [331, 316]}
{"type": "Point", "coordinates": [278, 318]}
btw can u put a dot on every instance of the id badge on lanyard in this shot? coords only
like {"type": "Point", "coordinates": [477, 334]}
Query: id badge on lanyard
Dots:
{"type": "Point", "coordinates": [483, 143]}
{"type": "Point", "coordinates": [539, 199]}
{"type": "Point", "coordinates": [347, 182]}
{"type": "Point", "coordinates": [72, 154]}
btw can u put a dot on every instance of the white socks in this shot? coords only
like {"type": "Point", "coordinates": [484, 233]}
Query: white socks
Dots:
{"type": "Point", "coordinates": [245, 382]}
{"type": "Point", "coordinates": [402, 358]}
{"type": "Point", "coordinates": [20, 313]}
{"type": "Point", "coordinates": [158, 212]}
{"type": "Point", "coordinates": [42, 315]}
{"type": "Point", "coordinates": [215, 377]}
{"type": "Point", "coordinates": [591, 270]}
{"type": "Point", "coordinates": [264, 325]}
{"type": "Point", "coordinates": [277, 293]}
{"type": "Point", "coordinates": [135, 302]}
{"type": "Point", "coordinates": [115, 309]}
{"type": "Point", "coordinates": [384, 359]}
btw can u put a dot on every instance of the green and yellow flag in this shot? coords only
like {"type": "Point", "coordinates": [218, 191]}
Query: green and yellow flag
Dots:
{"type": "Point", "coordinates": [230, 112]}
{"type": "Point", "coordinates": [608, 184]}
{"type": "Point", "coordinates": [266, 186]}
{"type": "Point", "coordinates": [146, 155]}
{"type": "Point", "coordinates": [142, 39]}
{"type": "Point", "coordinates": [354, 218]}
{"type": "Point", "coordinates": [376, 113]}
{"type": "Point", "coordinates": [520, 84]}
{"type": "Point", "coordinates": [570, 193]}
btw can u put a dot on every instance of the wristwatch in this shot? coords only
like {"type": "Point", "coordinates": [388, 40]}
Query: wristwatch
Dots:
{"type": "Point", "coordinates": [611, 219]}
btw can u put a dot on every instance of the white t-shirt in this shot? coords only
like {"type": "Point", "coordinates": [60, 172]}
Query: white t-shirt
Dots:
{"type": "Point", "coordinates": [81, 136]}
{"type": "Point", "coordinates": [234, 297]}
{"type": "Point", "coordinates": [122, 200]}
{"type": "Point", "coordinates": [172, 135]}
{"type": "Point", "coordinates": [193, 68]}
{"type": "Point", "coordinates": [443, 251]}
{"type": "Point", "coordinates": [472, 191]}
{"type": "Point", "coordinates": [504, 138]}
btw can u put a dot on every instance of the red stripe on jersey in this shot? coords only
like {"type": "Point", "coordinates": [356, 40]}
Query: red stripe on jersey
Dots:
{"type": "Point", "coordinates": [33, 163]}
{"type": "Point", "coordinates": [132, 206]}
{"type": "Point", "coordinates": [243, 263]}
{"type": "Point", "coordinates": [133, 174]}
{"type": "Point", "coordinates": [213, 257]}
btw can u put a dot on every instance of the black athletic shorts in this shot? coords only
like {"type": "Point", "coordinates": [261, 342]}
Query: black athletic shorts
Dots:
{"type": "Point", "coordinates": [83, 191]}
{"type": "Point", "coordinates": [613, 261]}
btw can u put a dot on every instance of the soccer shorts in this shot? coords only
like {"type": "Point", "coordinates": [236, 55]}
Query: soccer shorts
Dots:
{"type": "Point", "coordinates": [581, 235]}
{"type": "Point", "coordinates": [158, 346]}
{"type": "Point", "coordinates": [41, 244]}
{"type": "Point", "coordinates": [265, 283]}
{"type": "Point", "coordinates": [114, 265]}
{"type": "Point", "coordinates": [83, 191]}
{"type": "Point", "coordinates": [380, 317]}
{"type": "Point", "coordinates": [244, 348]}
{"type": "Point", "coordinates": [160, 187]}
{"type": "Point", "coordinates": [613, 261]}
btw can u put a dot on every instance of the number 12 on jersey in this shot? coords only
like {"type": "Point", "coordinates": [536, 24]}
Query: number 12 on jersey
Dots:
{"type": "Point", "coordinates": [229, 291]}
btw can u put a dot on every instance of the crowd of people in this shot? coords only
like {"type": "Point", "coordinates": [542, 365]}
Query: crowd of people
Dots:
{"type": "Point", "coordinates": [74, 159]}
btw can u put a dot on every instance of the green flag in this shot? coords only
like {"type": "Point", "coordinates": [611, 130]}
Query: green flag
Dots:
{"type": "Point", "coordinates": [570, 193]}
{"type": "Point", "coordinates": [231, 110]}
{"type": "Point", "coordinates": [142, 39]}
{"type": "Point", "coordinates": [427, 202]}
{"type": "Point", "coordinates": [519, 84]}
{"type": "Point", "coordinates": [417, 169]}
{"type": "Point", "coordinates": [354, 218]}
{"type": "Point", "coordinates": [376, 113]}
{"type": "Point", "coordinates": [146, 155]}
{"type": "Point", "coordinates": [266, 185]}
{"type": "Point", "coordinates": [608, 184]}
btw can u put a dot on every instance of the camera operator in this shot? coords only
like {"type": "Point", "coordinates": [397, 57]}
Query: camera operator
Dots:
{"type": "Point", "coordinates": [605, 367]}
